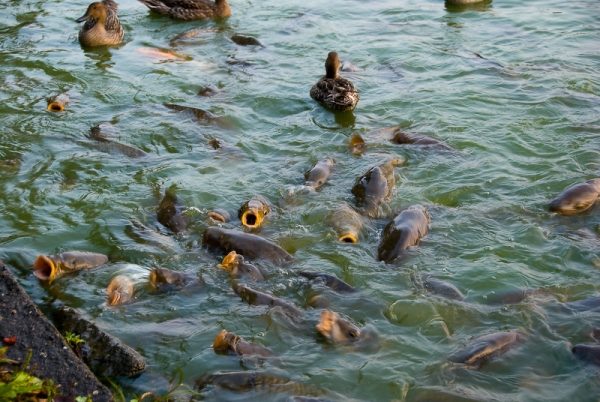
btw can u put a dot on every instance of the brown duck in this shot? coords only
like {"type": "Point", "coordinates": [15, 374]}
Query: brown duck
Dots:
{"type": "Point", "coordinates": [333, 91]}
{"type": "Point", "coordinates": [190, 9]}
{"type": "Point", "coordinates": [102, 26]}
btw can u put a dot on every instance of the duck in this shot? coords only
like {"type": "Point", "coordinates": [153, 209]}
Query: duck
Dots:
{"type": "Point", "coordinates": [189, 9]}
{"type": "Point", "coordinates": [333, 91]}
{"type": "Point", "coordinates": [102, 26]}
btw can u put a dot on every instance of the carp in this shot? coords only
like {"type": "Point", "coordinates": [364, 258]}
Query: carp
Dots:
{"type": "Point", "coordinates": [375, 187]}
{"type": "Point", "coordinates": [119, 290]}
{"type": "Point", "coordinates": [252, 213]}
{"type": "Point", "coordinates": [347, 223]}
{"type": "Point", "coordinates": [236, 266]}
{"type": "Point", "coordinates": [48, 268]}
{"type": "Point", "coordinates": [249, 245]}
{"type": "Point", "coordinates": [404, 231]}
{"type": "Point", "coordinates": [318, 174]}
{"type": "Point", "coordinates": [577, 198]}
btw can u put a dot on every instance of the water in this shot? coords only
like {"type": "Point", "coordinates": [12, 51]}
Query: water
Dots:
{"type": "Point", "coordinates": [514, 88]}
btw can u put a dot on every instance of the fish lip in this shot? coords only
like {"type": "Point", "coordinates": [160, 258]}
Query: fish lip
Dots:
{"type": "Point", "coordinates": [82, 18]}
{"type": "Point", "coordinates": [44, 268]}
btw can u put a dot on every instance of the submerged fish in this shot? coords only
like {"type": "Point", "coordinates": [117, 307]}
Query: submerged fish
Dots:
{"type": "Point", "coordinates": [245, 40]}
{"type": "Point", "coordinates": [244, 381]}
{"type": "Point", "coordinates": [256, 298]}
{"type": "Point", "coordinates": [165, 280]}
{"type": "Point", "coordinates": [171, 213]}
{"type": "Point", "coordinates": [329, 280]}
{"type": "Point", "coordinates": [485, 347]}
{"type": "Point", "coordinates": [104, 143]}
{"type": "Point", "coordinates": [347, 223]}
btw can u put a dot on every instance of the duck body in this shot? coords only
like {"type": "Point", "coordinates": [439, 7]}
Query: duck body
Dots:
{"type": "Point", "coordinates": [102, 26]}
{"type": "Point", "coordinates": [189, 9]}
{"type": "Point", "coordinates": [333, 91]}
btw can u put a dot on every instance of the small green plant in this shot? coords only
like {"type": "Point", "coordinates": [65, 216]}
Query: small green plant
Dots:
{"type": "Point", "coordinates": [73, 339]}
{"type": "Point", "coordinates": [21, 386]}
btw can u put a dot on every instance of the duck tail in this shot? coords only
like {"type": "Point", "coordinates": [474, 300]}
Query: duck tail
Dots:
{"type": "Point", "coordinates": [155, 5]}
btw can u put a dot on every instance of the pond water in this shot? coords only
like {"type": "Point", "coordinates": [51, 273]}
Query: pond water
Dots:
{"type": "Point", "coordinates": [513, 87]}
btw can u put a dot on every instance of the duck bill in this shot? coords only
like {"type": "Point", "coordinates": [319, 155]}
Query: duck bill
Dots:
{"type": "Point", "coordinates": [46, 268]}
{"type": "Point", "coordinates": [82, 18]}
{"type": "Point", "coordinates": [348, 237]}
{"type": "Point", "coordinates": [229, 261]}
{"type": "Point", "coordinates": [252, 218]}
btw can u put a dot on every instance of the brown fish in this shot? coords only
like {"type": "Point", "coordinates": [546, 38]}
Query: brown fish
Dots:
{"type": "Point", "coordinates": [577, 198]}
{"type": "Point", "coordinates": [318, 175]}
{"type": "Point", "coordinates": [329, 280]}
{"type": "Point", "coordinates": [58, 103]}
{"type": "Point", "coordinates": [119, 290]}
{"type": "Point", "coordinates": [245, 40]}
{"type": "Point", "coordinates": [400, 137]}
{"type": "Point", "coordinates": [108, 145]}
{"type": "Point", "coordinates": [171, 213]}
{"type": "Point", "coordinates": [404, 231]}
{"type": "Point", "coordinates": [164, 280]}
{"type": "Point", "coordinates": [375, 187]}
{"type": "Point", "coordinates": [442, 288]}
{"type": "Point", "coordinates": [228, 343]}
{"type": "Point", "coordinates": [202, 116]}
{"type": "Point", "coordinates": [337, 329]}
{"type": "Point", "coordinates": [48, 268]}
{"type": "Point", "coordinates": [347, 223]}
{"type": "Point", "coordinates": [249, 245]}
{"type": "Point", "coordinates": [256, 298]}
{"type": "Point", "coordinates": [236, 266]}
{"type": "Point", "coordinates": [244, 381]}
{"type": "Point", "coordinates": [252, 213]}
{"type": "Point", "coordinates": [219, 215]}
{"type": "Point", "coordinates": [485, 347]}
{"type": "Point", "coordinates": [588, 353]}
{"type": "Point", "coordinates": [357, 144]}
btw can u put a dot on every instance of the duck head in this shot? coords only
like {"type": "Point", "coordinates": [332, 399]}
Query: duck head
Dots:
{"type": "Point", "coordinates": [332, 65]}
{"type": "Point", "coordinates": [96, 12]}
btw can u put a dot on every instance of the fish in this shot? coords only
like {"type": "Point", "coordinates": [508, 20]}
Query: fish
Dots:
{"type": "Point", "coordinates": [404, 231]}
{"type": "Point", "coordinates": [245, 40]}
{"type": "Point", "coordinates": [165, 280]}
{"type": "Point", "coordinates": [202, 116]}
{"type": "Point", "coordinates": [236, 266]}
{"type": "Point", "coordinates": [588, 353]}
{"type": "Point", "coordinates": [162, 54]}
{"type": "Point", "coordinates": [244, 381]}
{"type": "Point", "coordinates": [257, 298]}
{"type": "Point", "coordinates": [442, 288]}
{"type": "Point", "coordinates": [58, 103]}
{"type": "Point", "coordinates": [577, 198]}
{"type": "Point", "coordinates": [171, 213]}
{"type": "Point", "coordinates": [375, 187]}
{"type": "Point", "coordinates": [347, 223]}
{"type": "Point", "coordinates": [252, 213]}
{"type": "Point", "coordinates": [357, 144]}
{"type": "Point", "coordinates": [336, 329]}
{"type": "Point", "coordinates": [403, 138]}
{"type": "Point", "coordinates": [249, 245]}
{"type": "Point", "coordinates": [119, 290]}
{"type": "Point", "coordinates": [486, 347]}
{"type": "Point", "coordinates": [228, 343]}
{"type": "Point", "coordinates": [219, 215]}
{"type": "Point", "coordinates": [144, 234]}
{"type": "Point", "coordinates": [329, 280]}
{"type": "Point", "coordinates": [108, 145]}
{"type": "Point", "coordinates": [50, 267]}
{"type": "Point", "coordinates": [318, 175]}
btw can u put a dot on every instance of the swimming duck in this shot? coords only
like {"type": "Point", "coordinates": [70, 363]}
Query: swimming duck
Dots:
{"type": "Point", "coordinates": [102, 26]}
{"type": "Point", "coordinates": [333, 91]}
{"type": "Point", "coordinates": [190, 9]}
